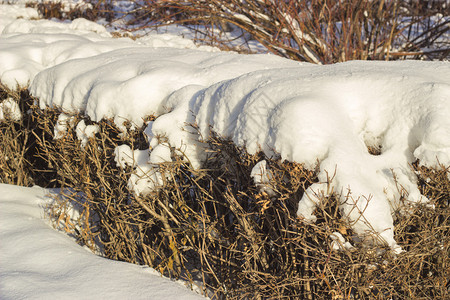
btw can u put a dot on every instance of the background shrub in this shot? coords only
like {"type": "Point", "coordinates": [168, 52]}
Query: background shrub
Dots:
{"type": "Point", "coordinates": [317, 31]}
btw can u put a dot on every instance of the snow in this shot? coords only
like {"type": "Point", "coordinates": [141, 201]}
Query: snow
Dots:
{"type": "Point", "coordinates": [124, 156]}
{"type": "Point", "coordinates": [339, 242]}
{"type": "Point", "coordinates": [28, 47]}
{"type": "Point", "coordinates": [10, 110]}
{"type": "Point", "coordinates": [146, 176]}
{"type": "Point", "coordinates": [63, 123]}
{"type": "Point", "coordinates": [11, 13]}
{"type": "Point", "coordinates": [37, 262]}
{"type": "Point", "coordinates": [84, 132]}
{"type": "Point", "coordinates": [261, 176]}
{"type": "Point", "coordinates": [133, 82]}
{"type": "Point", "coordinates": [324, 117]}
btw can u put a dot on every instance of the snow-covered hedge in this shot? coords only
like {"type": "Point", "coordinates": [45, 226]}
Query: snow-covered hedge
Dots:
{"type": "Point", "coordinates": [230, 227]}
{"type": "Point", "coordinates": [323, 117]}
{"type": "Point", "coordinates": [255, 174]}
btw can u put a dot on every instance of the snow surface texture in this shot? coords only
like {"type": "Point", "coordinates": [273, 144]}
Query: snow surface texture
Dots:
{"type": "Point", "coordinates": [323, 116]}
{"type": "Point", "coordinates": [37, 262]}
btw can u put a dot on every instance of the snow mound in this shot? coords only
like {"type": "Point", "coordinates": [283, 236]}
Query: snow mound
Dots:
{"type": "Point", "coordinates": [9, 13]}
{"type": "Point", "coordinates": [24, 55]}
{"type": "Point", "coordinates": [27, 47]}
{"type": "Point", "coordinates": [131, 83]}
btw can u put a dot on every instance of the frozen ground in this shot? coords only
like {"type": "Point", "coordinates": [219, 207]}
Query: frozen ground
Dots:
{"type": "Point", "coordinates": [321, 116]}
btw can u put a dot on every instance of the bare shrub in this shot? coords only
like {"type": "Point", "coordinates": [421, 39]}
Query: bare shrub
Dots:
{"type": "Point", "coordinates": [215, 228]}
{"type": "Point", "coordinates": [91, 182]}
{"type": "Point", "coordinates": [315, 31]}
{"type": "Point", "coordinates": [19, 163]}
{"type": "Point", "coordinates": [14, 167]}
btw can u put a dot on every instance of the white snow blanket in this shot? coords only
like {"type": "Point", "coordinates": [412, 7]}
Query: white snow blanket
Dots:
{"type": "Point", "coordinates": [37, 262]}
{"type": "Point", "coordinates": [323, 116]}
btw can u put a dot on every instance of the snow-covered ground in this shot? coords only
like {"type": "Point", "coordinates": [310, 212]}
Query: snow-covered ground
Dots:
{"type": "Point", "coordinates": [37, 262]}
{"type": "Point", "coordinates": [323, 116]}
